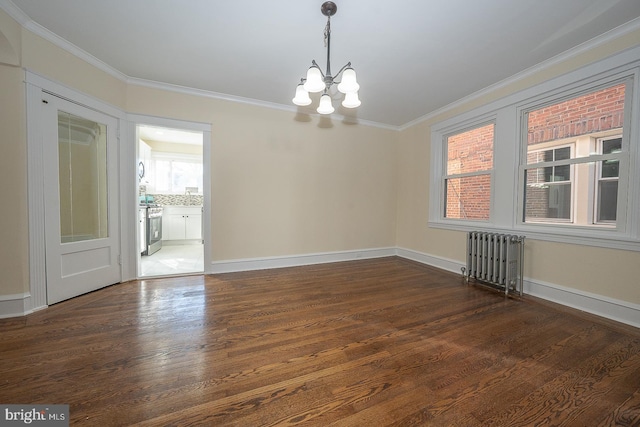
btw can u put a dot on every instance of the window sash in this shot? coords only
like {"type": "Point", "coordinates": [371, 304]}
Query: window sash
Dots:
{"type": "Point", "coordinates": [593, 192]}
{"type": "Point", "coordinates": [484, 205]}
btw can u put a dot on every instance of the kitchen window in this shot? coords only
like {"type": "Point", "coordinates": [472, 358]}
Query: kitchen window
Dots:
{"type": "Point", "coordinates": [176, 172]}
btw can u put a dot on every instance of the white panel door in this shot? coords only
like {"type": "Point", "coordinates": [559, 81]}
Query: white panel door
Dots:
{"type": "Point", "coordinates": [81, 199]}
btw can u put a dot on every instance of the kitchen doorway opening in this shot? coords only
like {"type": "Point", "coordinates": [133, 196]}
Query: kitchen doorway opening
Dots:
{"type": "Point", "coordinates": [171, 201]}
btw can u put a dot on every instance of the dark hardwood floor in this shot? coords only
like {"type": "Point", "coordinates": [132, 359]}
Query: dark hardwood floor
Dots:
{"type": "Point", "coordinates": [384, 342]}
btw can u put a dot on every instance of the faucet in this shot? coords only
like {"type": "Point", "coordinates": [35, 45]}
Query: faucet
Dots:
{"type": "Point", "coordinates": [189, 192]}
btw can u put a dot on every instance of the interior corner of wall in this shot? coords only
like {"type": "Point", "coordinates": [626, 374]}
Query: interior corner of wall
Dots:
{"type": "Point", "coordinates": [10, 41]}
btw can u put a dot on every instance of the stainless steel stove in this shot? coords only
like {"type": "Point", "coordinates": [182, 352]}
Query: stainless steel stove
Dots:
{"type": "Point", "coordinates": [153, 229]}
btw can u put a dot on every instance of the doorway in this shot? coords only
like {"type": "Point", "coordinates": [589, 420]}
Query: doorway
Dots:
{"type": "Point", "coordinates": [171, 201]}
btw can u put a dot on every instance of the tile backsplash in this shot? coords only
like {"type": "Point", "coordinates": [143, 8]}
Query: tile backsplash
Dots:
{"type": "Point", "coordinates": [172, 199]}
{"type": "Point", "coordinates": [178, 199]}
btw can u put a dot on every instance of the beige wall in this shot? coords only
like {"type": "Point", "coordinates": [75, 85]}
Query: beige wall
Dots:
{"type": "Point", "coordinates": [54, 63]}
{"type": "Point", "coordinates": [13, 184]}
{"type": "Point", "coordinates": [13, 160]}
{"type": "Point", "coordinates": [281, 186]}
{"type": "Point", "coordinates": [606, 272]}
{"type": "Point", "coordinates": [286, 187]}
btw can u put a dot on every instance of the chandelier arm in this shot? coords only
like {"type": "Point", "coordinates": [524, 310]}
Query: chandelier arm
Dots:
{"type": "Point", "coordinates": [313, 62]}
{"type": "Point", "coordinates": [342, 69]}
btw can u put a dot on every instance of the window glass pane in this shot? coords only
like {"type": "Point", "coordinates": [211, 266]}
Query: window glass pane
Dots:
{"type": "Point", "coordinates": [162, 175]}
{"type": "Point", "coordinates": [561, 173]}
{"type": "Point", "coordinates": [82, 157]}
{"type": "Point", "coordinates": [468, 197]}
{"type": "Point", "coordinates": [546, 201]}
{"type": "Point", "coordinates": [611, 145]}
{"type": "Point", "coordinates": [185, 174]}
{"type": "Point", "coordinates": [470, 151]}
{"type": "Point", "coordinates": [610, 168]}
{"type": "Point", "coordinates": [174, 176]}
{"type": "Point", "coordinates": [562, 153]}
{"type": "Point", "coordinates": [564, 122]}
{"type": "Point", "coordinates": [607, 200]}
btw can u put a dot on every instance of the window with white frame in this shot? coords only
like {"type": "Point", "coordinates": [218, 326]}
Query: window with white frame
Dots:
{"type": "Point", "coordinates": [467, 183]}
{"type": "Point", "coordinates": [175, 173]}
{"type": "Point", "coordinates": [549, 189]}
{"type": "Point", "coordinates": [574, 148]}
{"type": "Point", "coordinates": [606, 185]}
{"type": "Point", "coordinates": [561, 163]}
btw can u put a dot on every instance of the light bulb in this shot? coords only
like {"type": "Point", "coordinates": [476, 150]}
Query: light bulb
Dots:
{"type": "Point", "coordinates": [302, 96]}
{"type": "Point", "coordinates": [315, 82]}
{"type": "Point", "coordinates": [348, 83]}
{"type": "Point", "coordinates": [351, 100]}
{"type": "Point", "coordinates": [325, 106]}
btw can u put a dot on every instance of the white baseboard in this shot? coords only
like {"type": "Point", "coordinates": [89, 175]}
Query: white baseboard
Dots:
{"type": "Point", "coordinates": [249, 264]}
{"type": "Point", "coordinates": [434, 261]}
{"type": "Point", "coordinates": [15, 305]}
{"type": "Point", "coordinates": [610, 308]}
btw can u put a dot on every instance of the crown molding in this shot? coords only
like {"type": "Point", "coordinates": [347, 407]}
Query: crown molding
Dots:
{"type": "Point", "coordinates": [14, 11]}
{"type": "Point", "coordinates": [613, 34]}
{"type": "Point", "coordinates": [17, 14]}
{"type": "Point", "coordinates": [185, 90]}
{"type": "Point", "coordinates": [24, 20]}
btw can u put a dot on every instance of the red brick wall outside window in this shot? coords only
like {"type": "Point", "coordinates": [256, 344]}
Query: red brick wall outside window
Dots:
{"type": "Point", "coordinates": [593, 112]}
{"type": "Point", "coordinates": [470, 153]}
{"type": "Point", "coordinates": [468, 196]}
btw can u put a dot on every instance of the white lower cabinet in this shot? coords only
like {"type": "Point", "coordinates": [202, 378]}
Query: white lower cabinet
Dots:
{"type": "Point", "coordinates": [182, 223]}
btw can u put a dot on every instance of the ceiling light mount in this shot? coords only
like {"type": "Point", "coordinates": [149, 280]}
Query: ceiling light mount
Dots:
{"type": "Point", "coordinates": [328, 8]}
{"type": "Point", "coordinates": [317, 81]}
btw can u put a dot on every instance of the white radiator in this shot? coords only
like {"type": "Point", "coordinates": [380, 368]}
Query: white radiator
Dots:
{"type": "Point", "coordinates": [496, 260]}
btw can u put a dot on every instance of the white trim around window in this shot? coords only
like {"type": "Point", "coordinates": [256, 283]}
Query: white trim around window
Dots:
{"type": "Point", "coordinates": [510, 147]}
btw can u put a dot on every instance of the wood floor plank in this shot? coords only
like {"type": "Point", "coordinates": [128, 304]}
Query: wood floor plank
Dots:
{"type": "Point", "coordinates": [384, 342]}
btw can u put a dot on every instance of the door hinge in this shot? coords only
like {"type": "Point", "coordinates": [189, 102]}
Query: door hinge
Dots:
{"type": "Point", "coordinates": [119, 259]}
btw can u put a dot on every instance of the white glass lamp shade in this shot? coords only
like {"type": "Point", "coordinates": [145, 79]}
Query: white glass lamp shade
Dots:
{"type": "Point", "coordinates": [348, 83]}
{"type": "Point", "coordinates": [351, 100]}
{"type": "Point", "coordinates": [315, 82]}
{"type": "Point", "coordinates": [302, 96]}
{"type": "Point", "coordinates": [325, 106]}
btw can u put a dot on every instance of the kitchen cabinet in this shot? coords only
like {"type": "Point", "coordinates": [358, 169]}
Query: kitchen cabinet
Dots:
{"type": "Point", "coordinates": [182, 223]}
{"type": "Point", "coordinates": [142, 230]}
{"type": "Point", "coordinates": [145, 172]}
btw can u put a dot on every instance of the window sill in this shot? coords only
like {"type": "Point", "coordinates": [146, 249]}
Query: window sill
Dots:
{"type": "Point", "coordinates": [597, 238]}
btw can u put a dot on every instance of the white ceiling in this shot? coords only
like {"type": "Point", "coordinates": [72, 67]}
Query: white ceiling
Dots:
{"type": "Point", "coordinates": [176, 136]}
{"type": "Point", "coordinates": [412, 57]}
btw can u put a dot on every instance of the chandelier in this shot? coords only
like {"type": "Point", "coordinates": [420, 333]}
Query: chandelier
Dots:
{"type": "Point", "coordinates": [317, 81]}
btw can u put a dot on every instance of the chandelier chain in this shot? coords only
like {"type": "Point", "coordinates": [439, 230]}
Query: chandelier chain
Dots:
{"type": "Point", "coordinates": [327, 31]}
